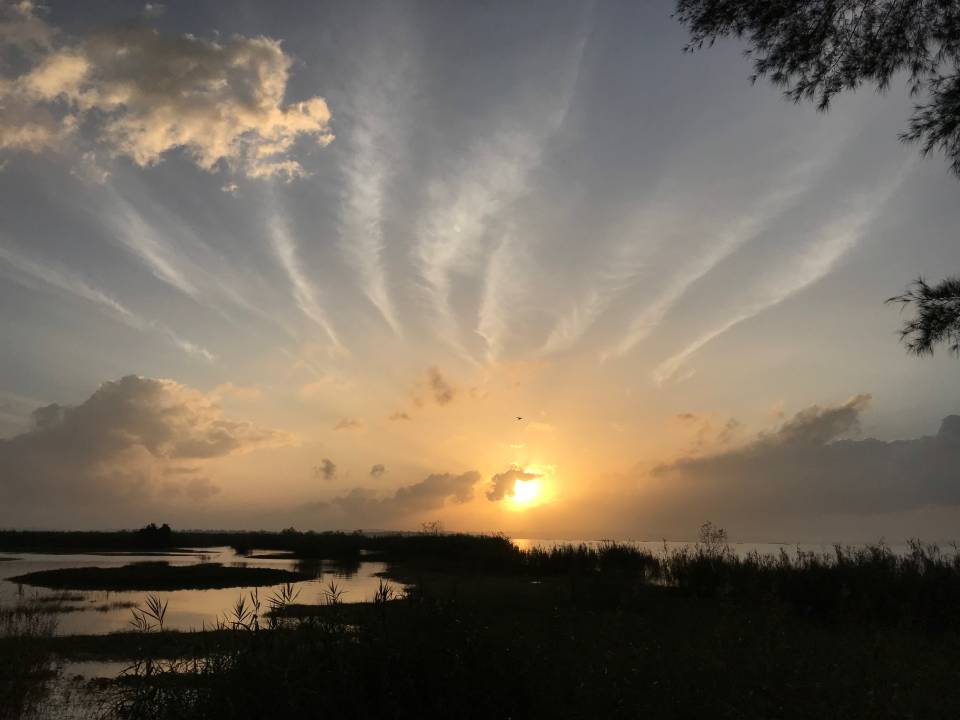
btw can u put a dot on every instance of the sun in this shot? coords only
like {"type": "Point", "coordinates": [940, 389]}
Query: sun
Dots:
{"type": "Point", "coordinates": [534, 491]}
{"type": "Point", "coordinates": [526, 492]}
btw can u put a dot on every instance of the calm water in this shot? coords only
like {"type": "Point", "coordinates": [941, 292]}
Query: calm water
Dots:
{"type": "Point", "coordinates": [96, 612]}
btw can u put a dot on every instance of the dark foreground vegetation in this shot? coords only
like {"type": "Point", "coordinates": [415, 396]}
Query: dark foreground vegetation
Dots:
{"type": "Point", "coordinates": [485, 630]}
{"type": "Point", "coordinates": [26, 667]}
{"type": "Point", "coordinates": [662, 655]}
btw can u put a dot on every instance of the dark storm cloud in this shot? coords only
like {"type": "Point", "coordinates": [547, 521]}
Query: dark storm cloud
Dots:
{"type": "Point", "coordinates": [503, 484]}
{"type": "Point", "coordinates": [807, 465]}
{"type": "Point", "coordinates": [361, 507]}
{"type": "Point", "coordinates": [121, 442]}
{"type": "Point", "coordinates": [434, 490]}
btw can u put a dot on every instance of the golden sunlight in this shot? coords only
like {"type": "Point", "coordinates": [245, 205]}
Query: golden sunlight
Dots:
{"type": "Point", "coordinates": [535, 491]}
{"type": "Point", "coordinates": [526, 493]}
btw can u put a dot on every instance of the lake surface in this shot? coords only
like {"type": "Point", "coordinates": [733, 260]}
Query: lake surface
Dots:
{"type": "Point", "coordinates": [97, 612]}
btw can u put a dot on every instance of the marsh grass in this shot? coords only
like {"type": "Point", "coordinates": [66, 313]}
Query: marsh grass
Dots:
{"type": "Point", "coordinates": [150, 616]}
{"type": "Point", "coordinates": [608, 630]}
{"type": "Point", "coordinates": [26, 664]}
{"type": "Point", "coordinates": [919, 589]}
{"type": "Point", "coordinates": [59, 598]}
{"type": "Point", "coordinates": [666, 654]}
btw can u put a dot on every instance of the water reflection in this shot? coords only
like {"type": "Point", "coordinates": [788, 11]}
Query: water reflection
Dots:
{"type": "Point", "coordinates": [98, 612]}
{"type": "Point", "coordinates": [346, 568]}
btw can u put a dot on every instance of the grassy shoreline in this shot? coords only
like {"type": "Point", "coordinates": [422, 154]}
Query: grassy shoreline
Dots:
{"type": "Point", "coordinates": [487, 630]}
{"type": "Point", "coordinates": [157, 576]}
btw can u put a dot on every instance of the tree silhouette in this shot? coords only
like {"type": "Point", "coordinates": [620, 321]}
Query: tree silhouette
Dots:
{"type": "Point", "coordinates": [938, 316]}
{"type": "Point", "coordinates": [815, 49]}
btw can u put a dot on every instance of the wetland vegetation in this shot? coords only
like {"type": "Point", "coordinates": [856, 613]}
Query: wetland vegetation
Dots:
{"type": "Point", "coordinates": [157, 576]}
{"type": "Point", "coordinates": [485, 629]}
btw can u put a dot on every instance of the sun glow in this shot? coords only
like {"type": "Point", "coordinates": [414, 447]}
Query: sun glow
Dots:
{"type": "Point", "coordinates": [526, 492]}
{"type": "Point", "coordinates": [533, 492]}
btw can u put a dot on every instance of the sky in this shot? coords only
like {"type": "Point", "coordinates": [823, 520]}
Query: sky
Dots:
{"type": "Point", "coordinates": [517, 267]}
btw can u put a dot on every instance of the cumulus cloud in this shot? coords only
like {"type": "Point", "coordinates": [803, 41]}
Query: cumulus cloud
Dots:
{"type": "Point", "coordinates": [22, 29]}
{"type": "Point", "coordinates": [123, 442]}
{"type": "Point", "coordinates": [442, 389]}
{"type": "Point", "coordinates": [378, 470]}
{"type": "Point", "coordinates": [348, 424]}
{"type": "Point", "coordinates": [810, 465]}
{"type": "Point", "coordinates": [363, 507]}
{"type": "Point", "coordinates": [327, 469]}
{"type": "Point", "coordinates": [434, 490]}
{"type": "Point", "coordinates": [138, 93]}
{"type": "Point", "coordinates": [503, 484]}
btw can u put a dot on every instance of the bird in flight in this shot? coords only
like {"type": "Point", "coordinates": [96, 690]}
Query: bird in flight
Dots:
{"type": "Point", "coordinates": [519, 418]}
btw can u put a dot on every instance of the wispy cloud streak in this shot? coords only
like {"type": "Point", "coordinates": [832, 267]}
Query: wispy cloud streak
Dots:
{"type": "Point", "coordinates": [141, 239]}
{"type": "Point", "coordinates": [501, 288]}
{"type": "Point", "coordinates": [502, 283]}
{"type": "Point", "coordinates": [76, 286]}
{"type": "Point", "coordinates": [179, 257]}
{"type": "Point", "coordinates": [379, 109]}
{"type": "Point", "coordinates": [449, 237]}
{"type": "Point", "coordinates": [69, 283]}
{"type": "Point", "coordinates": [304, 293]}
{"type": "Point", "coordinates": [190, 348]}
{"type": "Point", "coordinates": [723, 246]}
{"type": "Point", "coordinates": [362, 228]}
{"type": "Point", "coordinates": [834, 241]}
{"type": "Point", "coordinates": [624, 263]}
